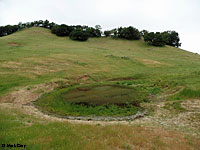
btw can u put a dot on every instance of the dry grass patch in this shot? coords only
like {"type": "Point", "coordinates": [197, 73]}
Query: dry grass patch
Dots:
{"type": "Point", "coordinates": [152, 63]}
{"type": "Point", "coordinates": [121, 137]}
{"type": "Point", "coordinates": [11, 64]}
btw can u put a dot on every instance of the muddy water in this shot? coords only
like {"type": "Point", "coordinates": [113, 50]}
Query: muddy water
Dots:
{"type": "Point", "coordinates": [100, 95]}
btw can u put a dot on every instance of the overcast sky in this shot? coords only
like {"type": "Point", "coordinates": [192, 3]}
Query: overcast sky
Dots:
{"type": "Point", "coordinates": [182, 16]}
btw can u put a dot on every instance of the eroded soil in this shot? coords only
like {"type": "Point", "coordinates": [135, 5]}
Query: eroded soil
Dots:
{"type": "Point", "coordinates": [187, 121]}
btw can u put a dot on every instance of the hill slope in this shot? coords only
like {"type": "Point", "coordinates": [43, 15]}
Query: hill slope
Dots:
{"type": "Point", "coordinates": [35, 56]}
{"type": "Point", "coordinates": [34, 61]}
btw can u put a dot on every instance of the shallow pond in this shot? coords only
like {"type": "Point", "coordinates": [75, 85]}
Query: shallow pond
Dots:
{"type": "Point", "coordinates": [100, 95]}
{"type": "Point", "coordinates": [95, 100]}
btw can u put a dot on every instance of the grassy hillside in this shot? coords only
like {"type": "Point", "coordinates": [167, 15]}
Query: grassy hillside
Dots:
{"type": "Point", "coordinates": [34, 56]}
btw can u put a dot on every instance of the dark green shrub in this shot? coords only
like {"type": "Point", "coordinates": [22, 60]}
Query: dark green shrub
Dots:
{"type": "Point", "coordinates": [172, 38]}
{"type": "Point", "coordinates": [9, 29]}
{"type": "Point", "coordinates": [149, 37]}
{"type": "Point", "coordinates": [79, 35]}
{"type": "Point", "coordinates": [92, 32]}
{"type": "Point", "coordinates": [143, 32]}
{"type": "Point", "coordinates": [155, 39]}
{"type": "Point", "coordinates": [107, 33]}
{"type": "Point", "coordinates": [129, 33]}
{"type": "Point", "coordinates": [158, 40]}
{"type": "Point", "coordinates": [61, 30]}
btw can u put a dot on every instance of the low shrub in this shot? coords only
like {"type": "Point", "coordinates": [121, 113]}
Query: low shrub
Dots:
{"type": "Point", "coordinates": [79, 35]}
{"type": "Point", "coordinates": [61, 30]}
{"type": "Point", "coordinates": [155, 39]}
{"type": "Point", "coordinates": [107, 33]}
{"type": "Point", "coordinates": [129, 33]}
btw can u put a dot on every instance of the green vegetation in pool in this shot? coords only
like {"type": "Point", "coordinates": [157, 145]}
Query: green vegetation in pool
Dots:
{"type": "Point", "coordinates": [98, 100]}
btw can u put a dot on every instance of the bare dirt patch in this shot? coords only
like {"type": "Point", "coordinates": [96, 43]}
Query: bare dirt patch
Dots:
{"type": "Point", "coordinates": [84, 77]}
{"type": "Point", "coordinates": [14, 44]}
{"type": "Point", "coordinates": [175, 121]}
{"type": "Point", "coordinates": [193, 109]}
{"type": "Point", "coordinates": [26, 95]}
{"type": "Point", "coordinates": [192, 105]}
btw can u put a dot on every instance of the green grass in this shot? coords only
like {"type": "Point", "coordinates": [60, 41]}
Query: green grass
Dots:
{"type": "Point", "coordinates": [16, 127]}
{"type": "Point", "coordinates": [42, 57]}
{"type": "Point", "coordinates": [189, 93]}
{"type": "Point", "coordinates": [17, 130]}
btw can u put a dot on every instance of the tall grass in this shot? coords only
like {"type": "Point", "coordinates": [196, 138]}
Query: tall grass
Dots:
{"type": "Point", "coordinates": [189, 93]}
{"type": "Point", "coordinates": [186, 93]}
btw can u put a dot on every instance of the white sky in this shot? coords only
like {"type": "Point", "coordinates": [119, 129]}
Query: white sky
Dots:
{"type": "Point", "coordinates": [182, 16]}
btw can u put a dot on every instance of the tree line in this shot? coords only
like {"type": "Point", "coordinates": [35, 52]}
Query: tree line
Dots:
{"type": "Point", "coordinates": [82, 33]}
{"type": "Point", "coordinates": [9, 29]}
